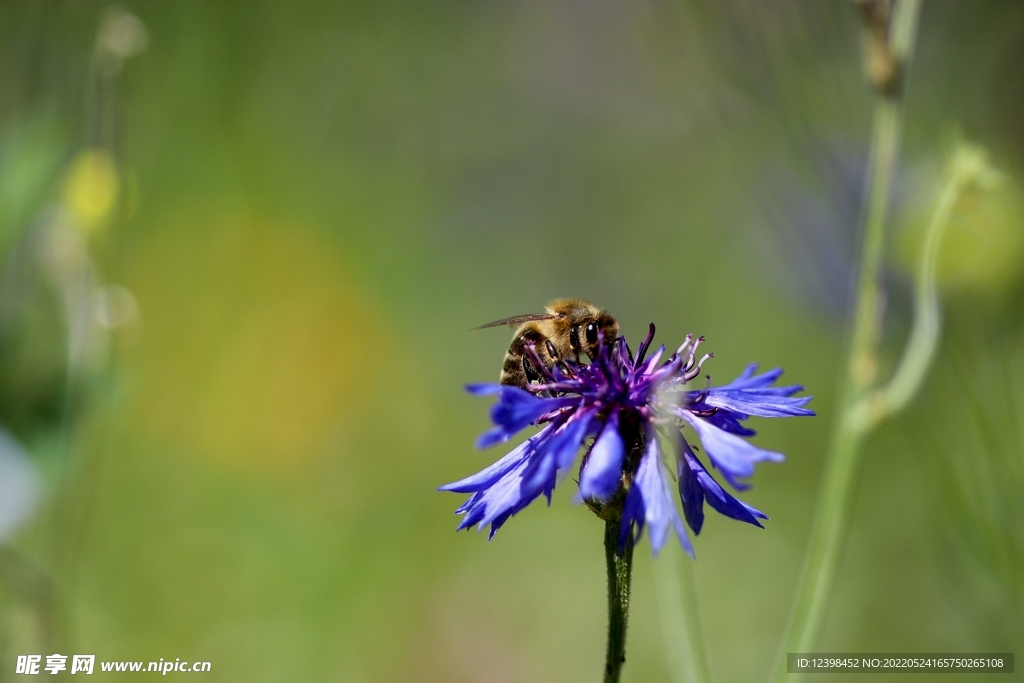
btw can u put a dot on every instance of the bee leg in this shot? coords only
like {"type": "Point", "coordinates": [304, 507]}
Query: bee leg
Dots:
{"type": "Point", "coordinates": [556, 360]}
{"type": "Point", "coordinates": [532, 375]}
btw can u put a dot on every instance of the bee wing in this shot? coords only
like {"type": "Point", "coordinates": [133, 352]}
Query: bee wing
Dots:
{"type": "Point", "coordinates": [516, 319]}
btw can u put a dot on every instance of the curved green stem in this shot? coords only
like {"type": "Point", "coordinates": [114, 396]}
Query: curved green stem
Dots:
{"type": "Point", "coordinates": [620, 566]}
{"type": "Point", "coordinates": [967, 164]}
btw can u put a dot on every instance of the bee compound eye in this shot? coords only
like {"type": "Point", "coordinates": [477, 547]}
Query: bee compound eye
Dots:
{"type": "Point", "coordinates": [591, 333]}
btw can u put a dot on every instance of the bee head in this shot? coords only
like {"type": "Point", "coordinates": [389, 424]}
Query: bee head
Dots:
{"type": "Point", "coordinates": [597, 329]}
{"type": "Point", "coordinates": [579, 326]}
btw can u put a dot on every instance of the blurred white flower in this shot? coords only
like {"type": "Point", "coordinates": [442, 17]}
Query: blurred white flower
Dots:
{"type": "Point", "coordinates": [20, 486]}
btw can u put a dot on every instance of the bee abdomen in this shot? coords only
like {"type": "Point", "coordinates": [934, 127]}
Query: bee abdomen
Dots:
{"type": "Point", "coordinates": [517, 369]}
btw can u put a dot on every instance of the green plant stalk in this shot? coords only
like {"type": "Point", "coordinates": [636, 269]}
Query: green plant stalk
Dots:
{"type": "Point", "coordinates": [832, 517]}
{"type": "Point", "coordinates": [833, 512]}
{"type": "Point", "coordinates": [620, 567]}
{"type": "Point", "coordinates": [680, 618]}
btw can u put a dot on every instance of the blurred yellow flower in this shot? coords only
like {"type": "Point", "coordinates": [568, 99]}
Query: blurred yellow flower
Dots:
{"type": "Point", "coordinates": [982, 248]}
{"type": "Point", "coordinates": [91, 188]}
{"type": "Point", "coordinates": [257, 348]}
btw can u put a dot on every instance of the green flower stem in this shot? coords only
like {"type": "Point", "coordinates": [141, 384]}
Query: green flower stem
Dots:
{"type": "Point", "coordinates": [832, 517]}
{"type": "Point", "coordinates": [620, 566]}
{"type": "Point", "coordinates": [680, 619]}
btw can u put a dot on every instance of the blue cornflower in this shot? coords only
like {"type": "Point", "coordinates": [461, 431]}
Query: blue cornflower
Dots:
{"type": "Point", "coordinates": [624, 403]}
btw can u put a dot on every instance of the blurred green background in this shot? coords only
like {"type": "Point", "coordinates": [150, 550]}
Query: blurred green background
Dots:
{"type": "Point", "coordinates": [242, 247]}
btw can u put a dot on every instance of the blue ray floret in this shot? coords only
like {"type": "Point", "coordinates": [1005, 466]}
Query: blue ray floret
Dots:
{"type": "Point", "coordinates": [617, 408]}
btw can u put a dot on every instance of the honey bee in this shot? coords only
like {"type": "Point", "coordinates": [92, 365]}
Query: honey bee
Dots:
{"type": "Point", "coordinates": [567, 328]}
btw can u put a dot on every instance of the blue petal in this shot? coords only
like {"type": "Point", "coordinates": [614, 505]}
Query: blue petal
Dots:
{"type": "Point", "coordinates": [632, 514]}
{"type": "Point", "coordinates": [759, 403]}
{"type": "Point", "coordinates": [747, 380]}
{"type": "Point", "coordinates": [489, 475]}
{"type": "Point", "coordinates": [540, 473]}
{"type": "Point", "coordinates": [602, 475]}
{"type": "Point", "coordinates": [729, 453]}
{"type": "Point", "coordinates": [504, 498]}
{"type": "Point", "coordinates": [515, 409]}
{"type": "Point", "coordinates": [510, 484]}
{"type": "Point", "coordinates": [691, 493]}
{"type": "Point", "coordinates": [753, 395]}
{"type": "Point", "coordinates": [660, 513]}
{"type": "Point", "coordinates": [557, 453]}
{"type": "Point", "coordinates": [470, 503]}
{"type": "Point", "coordinates": [580, 427]}
{"type": "Point", "coordinates": [484, 389]}
{"type": "Point", "coordinates": [716, 496]}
